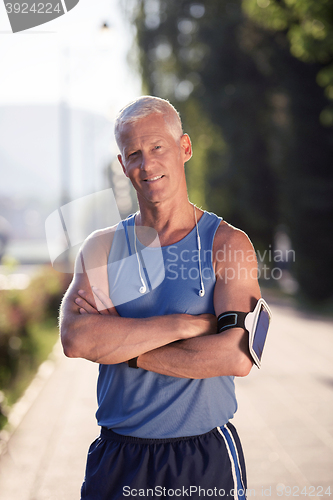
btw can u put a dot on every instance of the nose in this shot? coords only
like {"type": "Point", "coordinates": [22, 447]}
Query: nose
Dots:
{"type": "Point", "coordinates": [146, 161]}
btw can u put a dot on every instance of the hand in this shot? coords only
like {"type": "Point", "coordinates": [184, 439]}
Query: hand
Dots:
{"type": "Point", "coordinates": [200, 325]}
{"type": "Point", "coordinates": [209, 323]}
{"type": "Point", "coordinates": [96, 303]}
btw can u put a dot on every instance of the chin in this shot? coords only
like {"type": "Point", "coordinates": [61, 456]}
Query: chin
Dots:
{"type": "Point", "coordinates": [154, 197]}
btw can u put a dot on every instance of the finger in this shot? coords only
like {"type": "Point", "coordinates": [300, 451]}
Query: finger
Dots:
{"type": "Point", "coordinates": [88, 297]}
{"type": "Point", "coordinates": [100, 306]}
{"type": "Point", "coordinates": [104, 299]}
{"type": "Point", "coordinates": [94, 305]}
{"type": "Point", "coordinates": [83, 304]}
{"type": "Point", "coordinates": [83, 311]}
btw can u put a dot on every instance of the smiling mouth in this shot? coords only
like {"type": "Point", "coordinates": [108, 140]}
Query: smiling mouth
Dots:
{"type": "Point", "coordinates": [152, 179]}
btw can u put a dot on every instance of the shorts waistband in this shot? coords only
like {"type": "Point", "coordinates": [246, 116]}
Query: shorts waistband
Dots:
{"type": "Point", "coordinates": [111, 435]}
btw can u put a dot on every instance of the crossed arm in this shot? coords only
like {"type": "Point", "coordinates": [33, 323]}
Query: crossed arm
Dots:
{"type": "Point", "coordinates": [179, 345]}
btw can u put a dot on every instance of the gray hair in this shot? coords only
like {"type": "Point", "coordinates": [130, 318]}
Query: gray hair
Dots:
{"type": "Point", "coordinates": [144, 106]}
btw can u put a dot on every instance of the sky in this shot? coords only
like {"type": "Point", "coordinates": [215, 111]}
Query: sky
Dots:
{"type": "Point", "coordinates": [72, 58]}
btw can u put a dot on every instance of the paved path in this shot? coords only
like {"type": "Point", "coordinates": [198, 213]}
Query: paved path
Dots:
{"type": "Point", "coordinates": [285, 416]}
{"type": "Point", "coordinates": [45, 456]}
{"type": "Point", "coordinates": [284, 420]}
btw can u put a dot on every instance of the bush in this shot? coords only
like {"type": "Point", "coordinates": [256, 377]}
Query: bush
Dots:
{"type": "Point", "coordinates": [28, 331]}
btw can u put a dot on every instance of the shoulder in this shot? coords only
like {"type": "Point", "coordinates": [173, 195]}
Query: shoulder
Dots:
{"type": "Point", "coordinates": [96, 247]}
{"type": "Point", "coordinates": [232, 245]}
{"type": "Point", "coordinates": [102, 238]}
{"type": "Point", "coordinates": [226, 234]}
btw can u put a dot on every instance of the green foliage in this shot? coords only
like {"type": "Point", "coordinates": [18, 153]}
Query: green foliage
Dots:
{"type": "Point", "coordinates": [207, 141]}
{"type": "Point", "coordinates": [309, 28]}
{"type": "Point", "coordinates": [309, 24]}
{"type": "Point", "coordinates": [28, 331]}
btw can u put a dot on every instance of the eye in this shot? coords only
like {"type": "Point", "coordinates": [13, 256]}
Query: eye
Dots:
{"type": "Point", "coordinates": [157, 147]}
{"type": "Point", "coordinates": [133, 154]}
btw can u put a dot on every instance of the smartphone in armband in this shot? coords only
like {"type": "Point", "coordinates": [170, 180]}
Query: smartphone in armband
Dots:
{"type": "Point", "coordinates": [256, 323]}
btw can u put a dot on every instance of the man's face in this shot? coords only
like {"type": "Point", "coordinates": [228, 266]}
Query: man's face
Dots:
{"type": "Point", "coordinates": [153, 160]}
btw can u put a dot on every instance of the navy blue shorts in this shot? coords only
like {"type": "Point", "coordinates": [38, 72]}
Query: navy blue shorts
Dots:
{"type": "Point", "coordinates": [211, 464]}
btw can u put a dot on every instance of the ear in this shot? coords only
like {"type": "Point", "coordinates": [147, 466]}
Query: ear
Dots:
{"type": "Point", "coordinates": [121, 163]}
{"type": "Point", "coordinates": [185, 144]}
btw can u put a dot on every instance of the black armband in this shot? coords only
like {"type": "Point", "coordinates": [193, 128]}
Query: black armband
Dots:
{"type": "Point", "coordinates": [231, 319]}
{"type": "Point", "coordinates": [256, 323]}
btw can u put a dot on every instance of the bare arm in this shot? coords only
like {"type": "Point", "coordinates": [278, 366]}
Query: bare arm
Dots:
{"type": "Point", "coordinates": [105, 337]}
{"type": "Point", "coordinates": [225, 353]}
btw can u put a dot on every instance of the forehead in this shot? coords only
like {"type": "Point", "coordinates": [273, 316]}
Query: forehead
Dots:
{"type": "Point", "coordinates": [149, 128]}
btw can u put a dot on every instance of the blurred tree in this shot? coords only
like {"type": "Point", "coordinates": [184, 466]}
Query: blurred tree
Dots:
{"type": "Point", "coordinates": [306, 26]}
{"type": "Point", "coordinates": [251, 108]}
{"type": "Point", "coordinates": [309, 28]}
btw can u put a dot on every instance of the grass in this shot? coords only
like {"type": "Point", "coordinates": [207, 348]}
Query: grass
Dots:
{"type": "Point", "coordinates": [36, 349]}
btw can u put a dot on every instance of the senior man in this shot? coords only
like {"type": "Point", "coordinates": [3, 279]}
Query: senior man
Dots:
{"type": "Point", "coordinates": [166, 381]}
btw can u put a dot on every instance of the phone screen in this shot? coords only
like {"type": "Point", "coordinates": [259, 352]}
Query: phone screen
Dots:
{"type": "Point", "coordinates": [261, 332]}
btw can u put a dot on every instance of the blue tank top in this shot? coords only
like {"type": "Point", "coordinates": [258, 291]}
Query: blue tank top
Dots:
{"type": "Point", "coordinates": [150, 405]}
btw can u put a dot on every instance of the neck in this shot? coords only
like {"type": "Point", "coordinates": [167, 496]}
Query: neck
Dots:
{"type": "Point", "coordinates": [171, 222]}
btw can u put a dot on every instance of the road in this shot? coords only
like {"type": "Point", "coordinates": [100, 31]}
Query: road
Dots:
{"type": "Point", "coordinates": [284, 420]}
